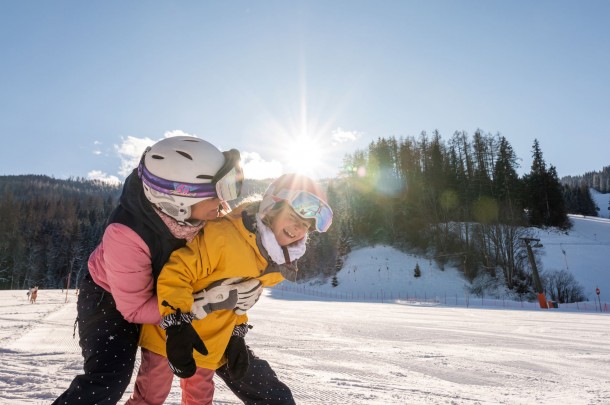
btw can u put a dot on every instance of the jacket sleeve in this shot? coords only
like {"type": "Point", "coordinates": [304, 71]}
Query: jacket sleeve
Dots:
{"type": "Point", "coordinates": [184, 267]}
{"type": "Point", "coordinates": [122, 262]}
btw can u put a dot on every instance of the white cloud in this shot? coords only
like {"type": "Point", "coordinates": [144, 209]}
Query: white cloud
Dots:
{"type": "Point", "coordinates": [101, 176]}
{"type": "Point", "coordinates": [97, 152]}
{"type": "Point", "coordinates": [130, 150]}
{"type": "Point", "coordinates": [177, 132]}
{"type": "Point", "coordinates": [255, 167]}
{"type": "Point", "coordinates": [339, 135]}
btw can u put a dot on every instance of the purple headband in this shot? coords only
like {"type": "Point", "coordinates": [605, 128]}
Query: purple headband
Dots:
{"type": "Point", "coordinates": [193, 190]}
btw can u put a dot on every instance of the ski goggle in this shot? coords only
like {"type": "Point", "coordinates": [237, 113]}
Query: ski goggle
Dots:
{"type": "Point", "coordinates": [308, 206]}
{"type": "Point", "coordinates": [226, 183]}
{"type": "Point", "coordinates": [230, 177]}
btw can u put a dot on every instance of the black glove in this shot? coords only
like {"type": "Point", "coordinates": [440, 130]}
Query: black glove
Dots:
{"type": "Point", "coordinates": [181, 340]}
{"type": "Point", "coordinates": [237, 357]}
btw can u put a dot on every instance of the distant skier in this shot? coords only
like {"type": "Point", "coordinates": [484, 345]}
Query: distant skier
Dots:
{"type": "Point", "coordinates": [33, 294]}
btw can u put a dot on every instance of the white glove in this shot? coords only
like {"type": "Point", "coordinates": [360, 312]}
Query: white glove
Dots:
{"type": "Point", "coordinates": [249, 297]}
{"type": "Point", "coordinates": [231, 293]}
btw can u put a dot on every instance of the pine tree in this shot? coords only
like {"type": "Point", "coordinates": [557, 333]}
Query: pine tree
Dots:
{"type": "Point", "coordinates": [416, 271]}
{"type": "Point", "coordinates": [484, 156]}
{"type": "Point", "coordinates": [335, 282]}
{"type": "Point", "coordinates": [543, 193]}
{"type": "Point", "coordinates": [536, 197]}
{"type": "Point", "coordinates": [558, 215]}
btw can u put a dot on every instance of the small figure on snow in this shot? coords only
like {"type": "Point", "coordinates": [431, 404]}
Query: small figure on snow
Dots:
{"type": "Point", "coordinates": [33, 294]}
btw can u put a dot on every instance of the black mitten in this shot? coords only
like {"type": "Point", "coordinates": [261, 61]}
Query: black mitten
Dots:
{"type": "Point", "coordinates": [237, 357]}
{"type": "Point", "coordinates": [181, 340]}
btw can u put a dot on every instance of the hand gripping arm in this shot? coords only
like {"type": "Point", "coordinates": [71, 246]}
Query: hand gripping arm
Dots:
{"type": "Point", "coordinates": [232, 293]}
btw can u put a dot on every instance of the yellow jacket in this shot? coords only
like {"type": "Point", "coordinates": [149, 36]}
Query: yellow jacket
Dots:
{"type": "Point", "coordinates": [225, 249]}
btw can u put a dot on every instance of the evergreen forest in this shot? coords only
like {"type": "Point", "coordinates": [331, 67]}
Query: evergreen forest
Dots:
{"type": "Point", "coordinates": [48, 228]}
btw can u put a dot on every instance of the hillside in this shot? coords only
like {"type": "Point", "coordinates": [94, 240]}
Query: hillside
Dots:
{"type": "Point", "coordinates": [381, 272]}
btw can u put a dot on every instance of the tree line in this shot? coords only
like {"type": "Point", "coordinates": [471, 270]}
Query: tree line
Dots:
{"type": "Point", "coordinates": [48, 228]}
{"type": "Point", "coordinates": [599, 180]}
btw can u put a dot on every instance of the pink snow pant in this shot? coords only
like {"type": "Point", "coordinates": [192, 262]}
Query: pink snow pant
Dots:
{"type": "Point", "coordinates": [154, 382]}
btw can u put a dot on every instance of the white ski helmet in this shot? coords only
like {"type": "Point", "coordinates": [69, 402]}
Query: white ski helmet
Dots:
{"type": "Point", "coordinates": [180, 171]}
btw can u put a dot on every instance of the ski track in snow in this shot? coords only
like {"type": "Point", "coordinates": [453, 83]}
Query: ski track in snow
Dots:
{"type": "Point", "coordinates": [353, 353]}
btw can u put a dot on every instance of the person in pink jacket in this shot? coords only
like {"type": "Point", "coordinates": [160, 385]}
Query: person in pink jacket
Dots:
{"type": "Point", "coordinates": [179, 184]}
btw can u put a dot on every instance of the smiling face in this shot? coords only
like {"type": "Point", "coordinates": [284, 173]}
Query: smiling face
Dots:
{"type": "Point", "coordinates": [288, 227]}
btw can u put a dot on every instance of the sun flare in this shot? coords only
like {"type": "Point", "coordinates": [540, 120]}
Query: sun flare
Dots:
{"type": "Point", "coordinates": [304, 154]}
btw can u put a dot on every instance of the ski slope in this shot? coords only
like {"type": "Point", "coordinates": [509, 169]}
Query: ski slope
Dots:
{"type": "Point", "coordinates": [353, 353]}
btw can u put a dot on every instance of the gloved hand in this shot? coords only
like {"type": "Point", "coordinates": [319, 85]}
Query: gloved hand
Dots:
{"type": "Point", "coordinates": [249, 296]}
{"type": "Point", "coordinates": [180, 342]}
{"type": "Point", "coordinates": [237, 357]}
{"type": "Point", "coordinates": [231, 293]}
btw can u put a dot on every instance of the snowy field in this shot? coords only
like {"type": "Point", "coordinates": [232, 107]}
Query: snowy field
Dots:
{"type": "Point", "coordinates": [354, 353]}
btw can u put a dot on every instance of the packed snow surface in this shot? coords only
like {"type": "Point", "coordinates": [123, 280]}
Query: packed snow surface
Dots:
{"type": "Point", "coordinates": [333, 352]}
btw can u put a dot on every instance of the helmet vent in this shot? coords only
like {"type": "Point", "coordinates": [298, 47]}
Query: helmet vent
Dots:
{"type": "Point", "coordinates": [204, 177]}
{"type": "Point", "coordinates": [186, 155]}
{"type": "Point", "coordinates": [158, 157]}
{"type": "Point", "coordinates": [169, 209]}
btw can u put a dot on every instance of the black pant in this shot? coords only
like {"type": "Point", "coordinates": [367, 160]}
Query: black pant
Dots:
{"type": "Point", "coordinates": [260, 385]}
{"type": "Point", "coordinates": [109, 345]}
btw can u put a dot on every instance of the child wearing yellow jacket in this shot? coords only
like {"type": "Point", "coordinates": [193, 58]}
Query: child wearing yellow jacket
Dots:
{"type": "Point", "coordinates": [206, 288]}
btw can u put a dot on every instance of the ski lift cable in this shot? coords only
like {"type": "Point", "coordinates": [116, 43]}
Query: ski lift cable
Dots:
{"type": "Point", "coordinates": [577, 243]}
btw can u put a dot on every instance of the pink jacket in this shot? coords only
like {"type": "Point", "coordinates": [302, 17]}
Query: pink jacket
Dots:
{"type": "Point", "coordinates": [121, 264]}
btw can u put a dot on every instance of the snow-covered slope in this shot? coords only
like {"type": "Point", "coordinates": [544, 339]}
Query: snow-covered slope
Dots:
{"type": "Point", "coordinates": [602, 201]}
{"type": "Point", "coordinates": [355, 353]}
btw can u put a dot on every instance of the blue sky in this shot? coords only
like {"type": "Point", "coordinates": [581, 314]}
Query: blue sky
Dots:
{"type": "Point", "coordinates": [297, 84]}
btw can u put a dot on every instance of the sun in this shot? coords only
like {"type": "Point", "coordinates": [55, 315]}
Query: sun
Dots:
{"type": "Point", "coordinates": [299, 141]}
{"type": "Point", "coordinates": [303, 154]}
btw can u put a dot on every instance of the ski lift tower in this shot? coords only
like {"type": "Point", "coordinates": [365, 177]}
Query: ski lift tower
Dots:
{"type": "Point", "coordinates": [536, 276]}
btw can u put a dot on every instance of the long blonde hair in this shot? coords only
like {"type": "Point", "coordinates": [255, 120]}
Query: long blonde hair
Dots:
{"type": "Point", "coordinates": [251, 205]}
